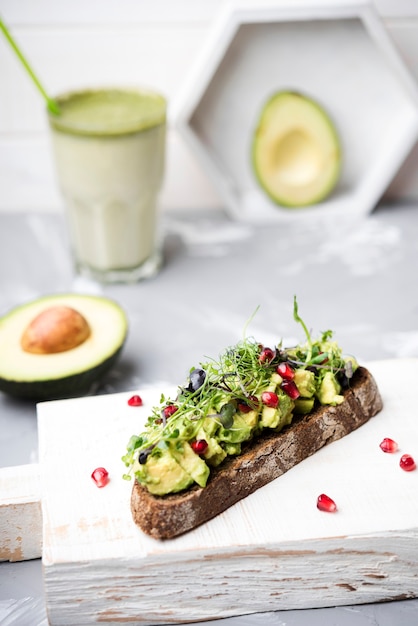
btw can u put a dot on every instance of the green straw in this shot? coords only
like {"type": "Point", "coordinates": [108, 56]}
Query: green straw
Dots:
{"type": "Point", "coordinates": [51, 104]}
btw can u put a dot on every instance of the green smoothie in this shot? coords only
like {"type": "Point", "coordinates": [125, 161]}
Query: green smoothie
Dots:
{"type": "Point", "coordinates": [109, 148]}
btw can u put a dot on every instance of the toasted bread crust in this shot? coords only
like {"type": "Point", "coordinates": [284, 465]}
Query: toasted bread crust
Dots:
{"type": "Point", "coordinates": [266, 458]}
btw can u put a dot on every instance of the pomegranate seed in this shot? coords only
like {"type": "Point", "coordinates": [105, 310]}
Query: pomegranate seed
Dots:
{"type": "Point", "coordinates": [266, 355]}
{"type": "Point", "coordinates": [100, 476]}
{"type": "Point", "coordinates": [388, 445]}
{"type": "Point", "coordinates": [169, 410]}
{"type": "Point", "coordinates": [199, 446]}
{"type": "Point", "coordinates": [325, 503]}
{"type": "Point", "coordinates": [407, 463]}
{"type": "Point", "coordinates": [252, 403]}
{"type": "Point", "coordinates": [285, 371]}
{"type": "Point", "coordinates": [135, 401]}
{"type": "Point", "coordinates": [289, 387]}
{"type": "Point", "coordinates": [269, 398]}
{"type": "Point", "coordinates": [324, 360]}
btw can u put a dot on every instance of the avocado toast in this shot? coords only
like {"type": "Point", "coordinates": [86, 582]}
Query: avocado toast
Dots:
{"type": "Point", "coordinates": [238, 423]}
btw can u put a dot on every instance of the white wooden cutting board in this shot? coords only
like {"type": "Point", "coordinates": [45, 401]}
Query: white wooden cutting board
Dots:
{"type": "Point", "coordinates": [272, 551]}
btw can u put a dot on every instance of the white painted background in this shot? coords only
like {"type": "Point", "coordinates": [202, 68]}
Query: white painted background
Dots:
{"type": "Point", "coordinates": [143, 42]}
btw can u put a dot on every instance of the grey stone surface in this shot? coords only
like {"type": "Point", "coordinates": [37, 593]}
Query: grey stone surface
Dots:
{"type": "Point", "coordinates": [355, 277]}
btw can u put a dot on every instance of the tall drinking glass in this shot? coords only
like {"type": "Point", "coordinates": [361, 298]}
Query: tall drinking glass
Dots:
{"type": "Point", "coordinates": [109, 149]}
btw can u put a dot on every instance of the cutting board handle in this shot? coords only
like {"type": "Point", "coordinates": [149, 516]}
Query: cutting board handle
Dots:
{"type": "Point", "coordinates": [20, 513]}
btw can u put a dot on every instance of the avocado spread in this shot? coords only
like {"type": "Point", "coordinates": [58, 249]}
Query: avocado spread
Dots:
{"type": "Point", "coordinates": [225, 404]}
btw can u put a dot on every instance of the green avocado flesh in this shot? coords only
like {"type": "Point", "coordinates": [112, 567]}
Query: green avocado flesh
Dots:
{"type": "Point", "coordinates": [226, 404]}
{"type": "Point", "coordinates": [296, 152]}
{"type": "Point", "coordinates": [66, 373]}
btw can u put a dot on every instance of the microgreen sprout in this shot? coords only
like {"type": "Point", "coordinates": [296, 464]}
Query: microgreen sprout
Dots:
{"type": "Point", "coordinates": [248, 322]}
{"type": "Point", "coordinates": [300, 321]}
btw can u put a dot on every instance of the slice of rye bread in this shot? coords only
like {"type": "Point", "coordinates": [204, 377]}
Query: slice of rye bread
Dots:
{"type": "Point", "coordinates": [263, 460]}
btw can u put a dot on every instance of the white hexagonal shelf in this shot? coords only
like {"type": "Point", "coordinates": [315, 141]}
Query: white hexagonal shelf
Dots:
{"type": "Point", "coordinates": [337, 52]}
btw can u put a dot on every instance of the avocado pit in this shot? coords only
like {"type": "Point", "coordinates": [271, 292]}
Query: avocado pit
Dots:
{"type": "Point", "coordinates": [56, 329]}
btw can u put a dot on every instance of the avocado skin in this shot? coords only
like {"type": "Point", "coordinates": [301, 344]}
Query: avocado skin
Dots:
{"type": "Point", "coordinates": [75, 384]}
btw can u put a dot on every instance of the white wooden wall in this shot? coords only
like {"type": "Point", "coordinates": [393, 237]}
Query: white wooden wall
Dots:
{"type": "Point", "coordinates": [143, 42]}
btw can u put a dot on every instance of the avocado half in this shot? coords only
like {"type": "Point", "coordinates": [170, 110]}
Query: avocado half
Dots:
{"type": "Point", "coordinates": [44, 374]}
{"type": "Point", "coordinates": [296, 152]}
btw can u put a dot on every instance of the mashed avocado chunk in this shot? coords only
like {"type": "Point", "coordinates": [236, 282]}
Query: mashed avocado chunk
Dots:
{"type": "Point", "coordinates": [329, 390]}
{"type": "Point", "coordinates": [162, 474]}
